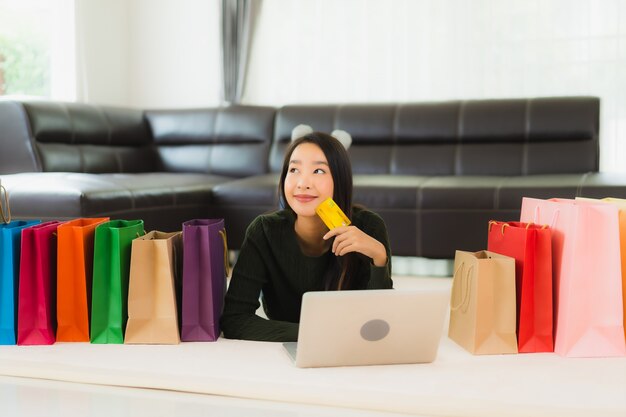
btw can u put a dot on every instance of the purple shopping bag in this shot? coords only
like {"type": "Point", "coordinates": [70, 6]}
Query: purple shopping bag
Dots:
{"type": "Point", "coordinates": [36, 312]}
{"type": "Point", "coordinates": [205, 267]}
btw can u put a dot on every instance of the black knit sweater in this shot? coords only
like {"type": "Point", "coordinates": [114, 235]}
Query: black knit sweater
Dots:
{"type": "Point", "coordinates": [271, 264]}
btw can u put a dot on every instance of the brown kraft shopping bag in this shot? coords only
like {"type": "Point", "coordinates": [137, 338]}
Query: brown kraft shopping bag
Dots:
{"type": "Point", "coordinates": [482, 304]}
{"type": "Point", "coordinates": [152, 306]}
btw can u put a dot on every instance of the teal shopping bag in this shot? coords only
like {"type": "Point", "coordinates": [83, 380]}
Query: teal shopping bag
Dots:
{"type": "Point", "coordinates": [10, 243]}
{"type": "Point", "coordinates": [111, 269]}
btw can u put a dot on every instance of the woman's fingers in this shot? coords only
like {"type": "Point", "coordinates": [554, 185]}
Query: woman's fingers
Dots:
{"type": "Point", "coordinates": [347, 241]}
{"type": "Point", "coordinates": [335, 232]}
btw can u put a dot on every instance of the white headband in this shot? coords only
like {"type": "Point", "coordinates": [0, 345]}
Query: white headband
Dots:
{"type": "Point", "coordinates": [341, 135]}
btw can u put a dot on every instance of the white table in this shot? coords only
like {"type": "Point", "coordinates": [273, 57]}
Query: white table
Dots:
{"type": "Point", "coordinates": [456, 384]}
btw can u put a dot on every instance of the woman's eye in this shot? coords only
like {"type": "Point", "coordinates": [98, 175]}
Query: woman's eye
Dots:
{"type": "Point", "coordinates": [292, 170]}
{"type": "Point", "coordinates": [319, 171]}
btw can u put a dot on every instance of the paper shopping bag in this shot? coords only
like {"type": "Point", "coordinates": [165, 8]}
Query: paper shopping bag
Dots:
{"type": "Point", "coordinates": [482, 304]}
{"type": "Point", "coordinates": [36, 311]}
{"type": "Point", "coordinates": [531, 247]}
{"type": "Point", "coordinates": [152, 312]}
{"type": "Point", "coordinates": [587, 275]}
{"type": "Point", "coordinates": [205, 267]}
{"type": "Point", "coordinates": [111, 267]}
{"type": "Point", "coordinates": [621, 205]}
{"type": "Point", "coordinates": [74, 275]}
{"type": "Point", "coordinates": [10, 248]}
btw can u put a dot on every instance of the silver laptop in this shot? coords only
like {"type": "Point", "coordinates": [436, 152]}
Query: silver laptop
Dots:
{"type": "Point", "coordinates": [371, 327]}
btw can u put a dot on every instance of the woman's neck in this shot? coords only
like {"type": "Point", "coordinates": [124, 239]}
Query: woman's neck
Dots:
{"type": "Point", "coordinates": [309, 231]}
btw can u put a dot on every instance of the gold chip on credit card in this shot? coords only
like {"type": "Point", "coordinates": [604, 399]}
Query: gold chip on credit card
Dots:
{"type": "Point", "coordinates": [331, 214]}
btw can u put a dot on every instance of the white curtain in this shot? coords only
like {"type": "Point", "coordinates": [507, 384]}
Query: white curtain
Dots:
{"type": "Point", "coordinates": [327, 51]}
{"type": "Point", "coordinates": [238, 18]}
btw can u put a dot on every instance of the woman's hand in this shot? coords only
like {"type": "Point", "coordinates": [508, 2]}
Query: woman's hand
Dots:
{"type": "Point", "coordinates": [352, 239]}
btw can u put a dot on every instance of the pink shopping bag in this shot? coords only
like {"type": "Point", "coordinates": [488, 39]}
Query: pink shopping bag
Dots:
{"type": "Point", "coordinates": [587, 275]}
{"type": "Point", "coordinates": [36, 313]}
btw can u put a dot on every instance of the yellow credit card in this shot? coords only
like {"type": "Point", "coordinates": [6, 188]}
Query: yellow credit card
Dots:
{"type": "Point", "coordinates": [331, 214]}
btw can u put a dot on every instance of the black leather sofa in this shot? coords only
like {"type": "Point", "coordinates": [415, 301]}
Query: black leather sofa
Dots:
{"type": "Point", "coordinates": [436, 172]}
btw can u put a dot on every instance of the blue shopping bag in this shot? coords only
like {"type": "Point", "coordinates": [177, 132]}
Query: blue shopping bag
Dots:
{"type": "Point", "coordinates": [10, 243]}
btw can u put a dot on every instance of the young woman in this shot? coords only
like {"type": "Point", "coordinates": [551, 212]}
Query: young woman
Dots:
{"type": "Point", "coordinates": [291, 251]}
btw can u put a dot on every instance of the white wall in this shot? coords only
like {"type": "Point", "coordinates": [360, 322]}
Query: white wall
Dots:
{"type": "Point", "coordinates": [148, 53]}
{"type": "Point", "coordinates": [174, 58]}
{"type": "Point", "coordinates": [164, 53]}
{"type": "Point", "coordinates": [102, 51]}
{"type": "Point", "coordinates": [422, 50]}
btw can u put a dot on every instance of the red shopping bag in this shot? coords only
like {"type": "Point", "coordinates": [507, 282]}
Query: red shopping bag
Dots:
{"type": "Point", "coordinates": [36, 314]}
{"type": "Point", "coordinates": [531, 247]}
{"type": "Point", "coordinates": [587, 274]}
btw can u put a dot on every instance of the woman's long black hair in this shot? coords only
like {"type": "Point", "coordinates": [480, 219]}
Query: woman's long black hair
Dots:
{"type": "Point", "coordinates": [340, 274]}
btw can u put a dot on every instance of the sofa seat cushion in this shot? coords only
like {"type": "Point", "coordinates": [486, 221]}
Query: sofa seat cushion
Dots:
{"type": "Point", "coordinates": [460, 193]}
{"type": "Point", "coordinates": [259, 190]}
{"type": "Point", "coordinates": [539, 186]}
{"type": "Point", "coordinates": [388, 191]}
{"type": "Point", "coordinates": [149, 196]}
{"type": "Point", "coordinates": [434, 216]}
{"type": "Point", "coordinates": [420, 209]}
{"type": "Point", "coordinates": [240, 201]}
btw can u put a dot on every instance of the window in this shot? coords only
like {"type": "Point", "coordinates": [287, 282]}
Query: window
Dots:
{"type": "Point", "coordinates": [36, 48]}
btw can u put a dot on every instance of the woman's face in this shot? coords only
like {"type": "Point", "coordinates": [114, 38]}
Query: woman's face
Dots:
{"type": "Point", "coordinates": [308, 181]}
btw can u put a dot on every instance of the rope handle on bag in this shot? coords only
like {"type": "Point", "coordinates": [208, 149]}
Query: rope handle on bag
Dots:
{"type": "Point", "coordinates": [175, 268]}
{"type": "Point", "coordinates": [5, 209]}
{"type": "Point", "coordinates": [464, 304]}
{"type": "Point", "coordinates": [226, 261]}
{"type": "Point", "coordinates": [505, 225]}
{"type": "Point", "coordinates": [493, 222]}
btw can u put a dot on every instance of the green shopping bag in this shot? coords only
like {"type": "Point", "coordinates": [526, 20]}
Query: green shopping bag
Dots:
{"type": "Point", "coordinates": [111, 268]}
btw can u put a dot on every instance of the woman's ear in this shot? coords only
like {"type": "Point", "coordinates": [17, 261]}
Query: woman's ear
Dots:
{"type": "Point", "coordinates": [299, 131]}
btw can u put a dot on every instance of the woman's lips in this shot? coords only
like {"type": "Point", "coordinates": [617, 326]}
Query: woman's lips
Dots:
{"type": "Point", "coordinates": [304, 198]}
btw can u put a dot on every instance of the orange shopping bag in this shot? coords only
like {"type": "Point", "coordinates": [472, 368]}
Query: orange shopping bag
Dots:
{"type": "Point", "coordinates": [74, 274]}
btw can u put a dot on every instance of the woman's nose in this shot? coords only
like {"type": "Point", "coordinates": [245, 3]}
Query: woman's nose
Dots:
{"type": "Point", "coordinates": [304, 183]}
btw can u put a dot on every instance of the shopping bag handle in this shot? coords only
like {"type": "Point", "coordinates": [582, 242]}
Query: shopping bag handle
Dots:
{"type": "Point", "coordinates": [505, 225]}
{"type": "Point", "coordinates": [464, 304]}
{"type": "Point", "coordinates": [555, 217]}
{"type": "Point", "coordinates": [226, 261]}
{"type": "Point", "coordinates": [5, 209]}
{"type": "Point", "coordinates": [493, 222]}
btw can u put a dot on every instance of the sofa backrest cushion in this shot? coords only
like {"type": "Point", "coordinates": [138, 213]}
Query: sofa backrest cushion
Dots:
{"type": "Point", "coordinates": [474, 137]}
{"type": "Point", "coordinates": [73, 137]}
{"type": "Point", "coordinates": [231, 141]}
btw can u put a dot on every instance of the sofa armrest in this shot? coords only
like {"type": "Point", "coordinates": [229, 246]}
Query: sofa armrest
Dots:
{"type": "Point", "coordinates": [16, 145]}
